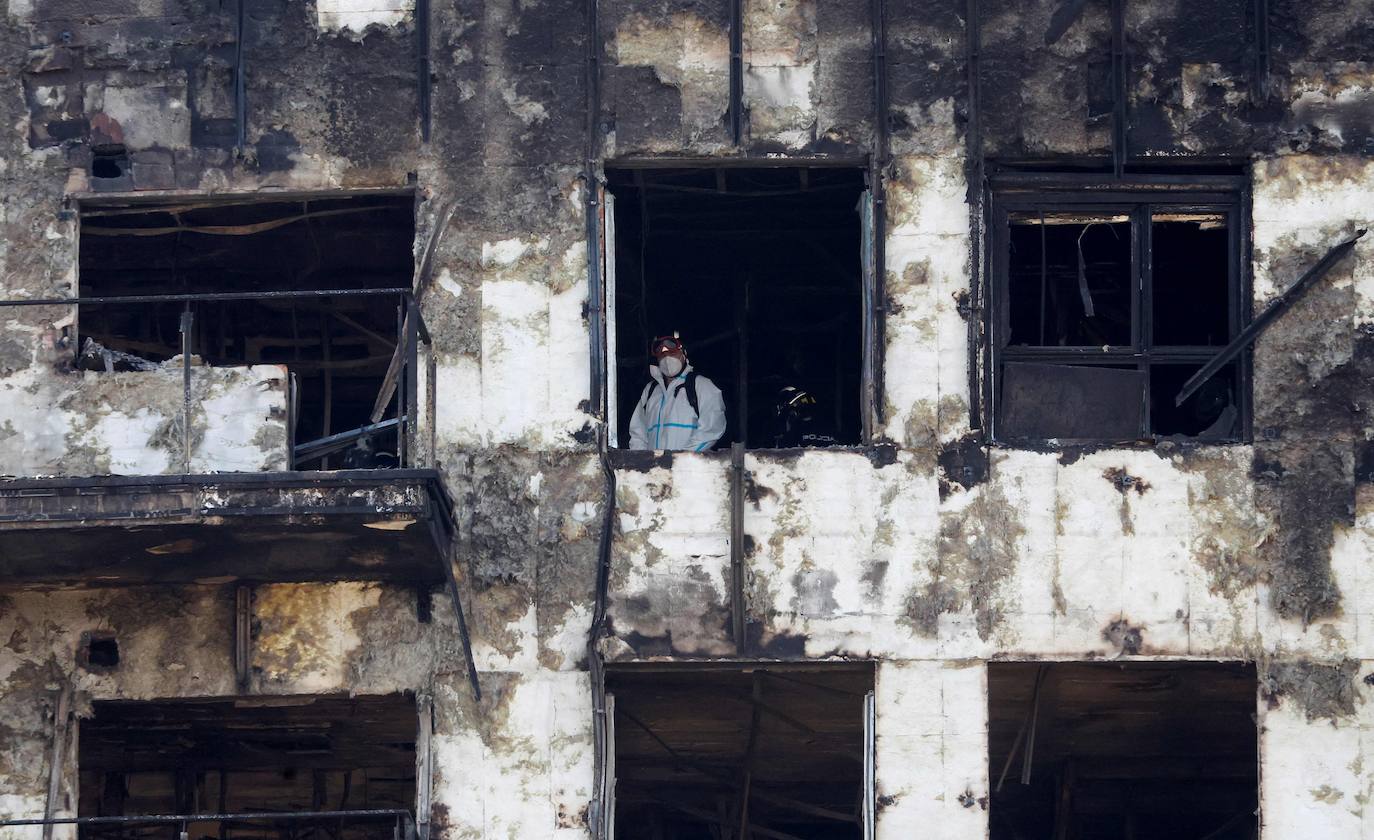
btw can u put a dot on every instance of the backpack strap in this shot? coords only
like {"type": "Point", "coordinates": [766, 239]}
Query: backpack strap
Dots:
{"type": "Point", "coordinates": [692, 393]}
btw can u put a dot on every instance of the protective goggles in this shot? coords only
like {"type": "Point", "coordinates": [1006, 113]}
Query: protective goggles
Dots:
{"type": "Point", "coordinates": [665, 344]}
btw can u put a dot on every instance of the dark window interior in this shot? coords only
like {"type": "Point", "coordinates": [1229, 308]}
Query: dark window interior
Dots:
{"type": "Point", "coordinates": [759, 270]}
{"type": "Point", "coordinates": [1149, 751]}
{"type": "Point", "coordinates": [689, 742]}
{"type": "Point", "coordinates": [1070, 281]}
{"type": "Point", "coordinates": [337, 348]}
{"type": "Point", "coordinates": [282, 754]}
{"type": "Point", "coordinates": [1106, 310]}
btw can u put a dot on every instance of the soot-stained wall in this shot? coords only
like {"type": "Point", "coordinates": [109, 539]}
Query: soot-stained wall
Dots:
{"type": "Point", "coordinates": [931, 552]}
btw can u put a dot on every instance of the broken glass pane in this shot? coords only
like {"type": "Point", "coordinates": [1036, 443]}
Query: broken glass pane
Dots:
{"type": "Point", "coordinates": [1069, 280]}
{"type": "Point", "coordinates": [1212, 413]}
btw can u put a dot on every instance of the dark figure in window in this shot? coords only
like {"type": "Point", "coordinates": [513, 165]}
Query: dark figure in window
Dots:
{"type": "Point", "coordinates": [800, 421]}
{"type": "Point", "coordinates": [680, 409]}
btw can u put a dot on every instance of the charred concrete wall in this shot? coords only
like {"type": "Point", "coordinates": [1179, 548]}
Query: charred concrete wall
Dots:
{"type": "Point", "coordinates": [932, 553]}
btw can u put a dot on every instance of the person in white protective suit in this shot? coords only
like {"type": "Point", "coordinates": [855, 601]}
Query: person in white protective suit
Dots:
{"type": "Point", "coordinates": [680, 409]}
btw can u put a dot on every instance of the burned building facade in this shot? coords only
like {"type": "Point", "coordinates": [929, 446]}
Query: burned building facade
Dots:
{"type": "Point", "coordinates": [1044, 507]}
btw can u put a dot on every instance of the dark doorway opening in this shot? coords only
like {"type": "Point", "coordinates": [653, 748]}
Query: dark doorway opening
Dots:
{"type": "Point", "coordinates": [778, 749]}
{"type": "Point", "coordinates": [760, 271]}
{"type": "Point", "coordinates": [280, 755]}
{"type": "Point", "coordinates": [1146, 750]}
{"type": "Point", "coordinates": [337, 348]}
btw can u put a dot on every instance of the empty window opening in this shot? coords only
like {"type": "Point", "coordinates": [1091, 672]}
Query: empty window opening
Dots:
{"type": "Point", "coordinates": [337, 348]}
{"type": "Point", "coordinates": [282, 754]}
{"type": "Point", "coordinates": [1103, 311]}
{"type": "Point", "coordinates": [780, 750]}
{"type": "Point", "coordinates": [1148, 750]}
{"type": "Point", "coordinates": [760, 272]}
{"type": "Point", "coordinates": [99, 650]}
{"type": "Point", "coordinates": [109, 162]}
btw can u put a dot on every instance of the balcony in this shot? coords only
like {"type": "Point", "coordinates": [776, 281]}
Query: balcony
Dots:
{"type": "Point", "coordinates": [205, 468]}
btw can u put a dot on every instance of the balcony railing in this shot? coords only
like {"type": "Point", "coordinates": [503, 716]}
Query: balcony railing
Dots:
{"type": "Point", "coordinates": [397, 416]}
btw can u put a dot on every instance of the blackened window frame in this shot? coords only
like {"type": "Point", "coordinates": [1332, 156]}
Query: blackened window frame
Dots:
{"type": "Point", "coordinates": [1141, 196]}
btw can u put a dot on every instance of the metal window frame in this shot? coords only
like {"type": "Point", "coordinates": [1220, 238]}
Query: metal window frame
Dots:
{"type": "Point", "coordinates": [1137, 196]}
{"type": "Point", "coordinates": [872, 270]}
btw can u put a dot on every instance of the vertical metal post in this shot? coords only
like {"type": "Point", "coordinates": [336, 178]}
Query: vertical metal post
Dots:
{"type": "Point", "coordinates": [327, 372]}
{"type": "Point", "coordinates": [870, 794]}
{"type": "Point", "coordinates": [424, 767]}
{"type": "Point", "coordinates": [736, 72]}
{"type": "Point", "coordinates": [975, 176]}
{"type": "Point", "coordinates": [240, 92]}
{"type": "Point", "coordinates": [402, 357]}
{"type": "Point", "coordinates": [409, 441]}
{"type": "Point", "coordinates": [612, 381]}
{"type": "Point", "coordinates": [737, 547]}
{"type": "Point", "coordinates": [871, 317]}
{"type": "Point", "coordinates": [431, 407]}
{"type": "Point", "coordinates": [591, 210]}
{"type": "Point", "coordinates": [186, 326]}
{"type": "Point", "coordinates": [1261, 82]}
{"type": "Point", "coordinates": [59, 751]}
{"type": "Point", "coordinates": [1119, 88]}
{"type": "Point", "coordinates": [422, 70]}
{"type": "Point", "coordinates": [608, 782]}
{"type": "Point", "coordinates": [878, 164]}
{"type": "Point", "coordinates": [243, 636]}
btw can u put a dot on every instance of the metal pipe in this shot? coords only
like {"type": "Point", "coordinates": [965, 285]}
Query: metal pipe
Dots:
{"type": "Point", "coordinates": [598, 821]}
{"type": "Point", "coordinates": [737, 71]}
{"type": "Point", "coordinates": [186, 325]}
{"type": "Point", "coordinates": [208, 297]}
{"type": "Point", "coordinates": [422, 71]}
{"type": "Point", "coordinates": [240, 88]}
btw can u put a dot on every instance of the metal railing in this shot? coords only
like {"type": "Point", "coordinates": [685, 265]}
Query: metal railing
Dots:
{"type": "Point", "coordinates": [403, 826]}
{"type": "Point", "coordinates": [397, 397]}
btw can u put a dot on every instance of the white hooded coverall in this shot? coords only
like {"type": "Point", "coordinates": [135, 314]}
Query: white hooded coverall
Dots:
{"type": "Point", "coordinates": [664, 419]}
